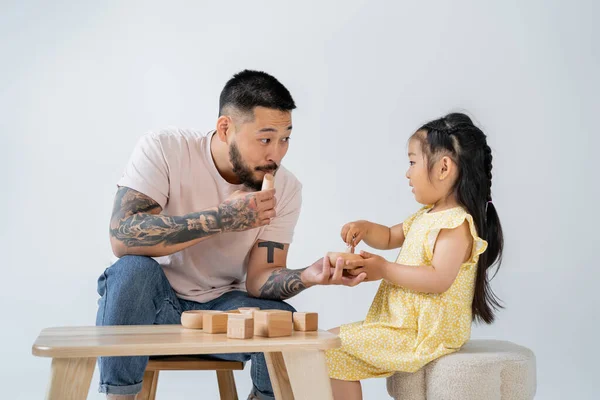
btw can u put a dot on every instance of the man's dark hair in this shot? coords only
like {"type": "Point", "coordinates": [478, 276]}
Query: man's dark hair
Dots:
{"type": "Point", "coordinates": [249, 89]}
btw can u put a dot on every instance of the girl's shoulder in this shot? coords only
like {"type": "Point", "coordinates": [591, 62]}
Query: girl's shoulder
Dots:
{"type": "Point", "coordinates": [457, 212]}
{"type": "Point", "coordinates": [452, 218]}
{"type": "Point", "coordinates": [449, 218]}
{"type": "Point", "coordinates": [407, 223]}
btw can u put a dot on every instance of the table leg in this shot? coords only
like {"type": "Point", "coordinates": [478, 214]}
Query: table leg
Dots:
{"type": "Point", "coordinates": [227, 389]}
{"type": "Point", "coordinates": [70, 378]}
{"type": "Point", "coordinates": [308, 375]}
{"type": "Point", "coordinates": [149, 386]}
{"type": "Point", "coordinates": [279, 376]}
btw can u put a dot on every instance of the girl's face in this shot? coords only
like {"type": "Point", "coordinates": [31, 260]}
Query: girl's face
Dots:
{"type": "Point", "coordinates": [427, 189]}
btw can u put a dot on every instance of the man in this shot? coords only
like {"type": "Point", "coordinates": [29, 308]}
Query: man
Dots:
{"type": "Point", "coordinates": [194, 231]}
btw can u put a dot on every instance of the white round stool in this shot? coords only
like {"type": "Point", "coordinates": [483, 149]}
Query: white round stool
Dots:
{"type": "Point", "coordinates": [481, 370]}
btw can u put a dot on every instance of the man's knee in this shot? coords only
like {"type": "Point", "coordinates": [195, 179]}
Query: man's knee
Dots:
{"type": "Point", "coordinates": [133, 268]}
{"type": "Point", "coordinates": [130, 274]}
{"type": "Point", "coordinates": [128, 291]}
{"type": "Point", "coordinates": [134, 265]}
{"type": "Point", "coordinates": [266, 304]}
{"type": "Point", "coordinates": [282, 305]}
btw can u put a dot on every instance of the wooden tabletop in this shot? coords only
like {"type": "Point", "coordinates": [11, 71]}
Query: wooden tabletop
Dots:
{"type": "Point", "coordinates": [150, 340]}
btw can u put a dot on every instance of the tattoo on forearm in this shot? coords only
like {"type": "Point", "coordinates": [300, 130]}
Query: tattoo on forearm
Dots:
{"type": "Point", "coordinates": [129, 202]}
{"type": "Point", "coordinates": [282, 284]}
{"type": "Point", "coordinates": [271, 246]}
{"type": "Point", "coordinates": [150, 230]}
{"type": "Point", "coordinates": [136, 220]}
{"type": "Point", "coordinates": [238, 214]}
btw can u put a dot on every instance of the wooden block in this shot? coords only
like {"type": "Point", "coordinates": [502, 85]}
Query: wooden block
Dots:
{"type": "Point", "coordinates": [306, 321]}
{"type": "Point", "coordinates": [268, 182]}
{"type": "Point", "coordinates": [214, 322]}
{"type": "Point", "coordinates": [248, 310]}
{"type": "Point", "coordinates": [333, 256]}
{"type": "Point", "coordinates": [192, 319]}
{"type": "Point", "coordinates": [273, 323]}
{"type": "Point", "coordinates": [240, 326]}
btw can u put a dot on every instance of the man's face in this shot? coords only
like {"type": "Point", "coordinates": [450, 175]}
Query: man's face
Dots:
{"type": "Point", "coordinates": [259, 145]}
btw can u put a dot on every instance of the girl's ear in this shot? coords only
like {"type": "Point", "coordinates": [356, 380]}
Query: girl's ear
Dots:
{"type": "Point", "coordinates": [445, 167]}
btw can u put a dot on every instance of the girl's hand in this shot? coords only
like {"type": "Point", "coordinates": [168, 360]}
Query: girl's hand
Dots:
{"type": "Point", "coordinates": [373, 265]}
{"type": "Point", "coordinates": [354, 232]}
{"type": "Point", "coordinates": [321, 273]}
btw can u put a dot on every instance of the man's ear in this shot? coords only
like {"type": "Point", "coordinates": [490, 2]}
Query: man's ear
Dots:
{"type": "Point", "coordinates": [225, 127]}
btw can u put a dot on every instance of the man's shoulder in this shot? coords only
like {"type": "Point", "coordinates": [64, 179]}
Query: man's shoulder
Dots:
{"type": "Point", "coordinates": [174, 134]}
{"type": "Point", "coordinates": [288, 182]}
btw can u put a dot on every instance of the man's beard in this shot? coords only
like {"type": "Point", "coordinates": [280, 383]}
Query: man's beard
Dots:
{"type": "Point", "coordinates": [243, 172]}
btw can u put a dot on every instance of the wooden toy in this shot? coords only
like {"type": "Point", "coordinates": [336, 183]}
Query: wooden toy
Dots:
{"type": "Point", "coordinates": [214, 321]}
{"type": "Point", "coordinates": [246, 322]}
{"type": "Point", "coordinates": [192, 319]}
{"type": "Point", "coordinates": [240, 326]}
{"type": "Point", "coordinates": [248, 310]}
{"type": "Point", "coordinates": [333, 256]}
{"type": "Point", "coordinates": [268, 182]}
{"type": "Point", "coordinates": [306, 321]}
{"type": "Point", "coordinates": [273, 323]}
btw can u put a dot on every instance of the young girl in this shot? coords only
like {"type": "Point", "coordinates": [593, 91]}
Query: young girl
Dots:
{"type": "Point", "coordinates": [439, 282]}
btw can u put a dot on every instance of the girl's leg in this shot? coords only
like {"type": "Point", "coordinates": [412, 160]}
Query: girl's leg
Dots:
{"type": "Point", "coordinates": [346, 390]}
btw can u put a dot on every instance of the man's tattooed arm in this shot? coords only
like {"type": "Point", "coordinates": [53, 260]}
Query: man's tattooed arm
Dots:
{"type": "Point", "coordinates": [267, 277]}
{"type": "Point", "coordinates": [138, 228]}
{"type": "Point", "coordinates": [282, 284]}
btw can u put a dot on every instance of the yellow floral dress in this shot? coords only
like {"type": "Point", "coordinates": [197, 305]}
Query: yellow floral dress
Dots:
{"type": "Point", "coordinates": [404, 330]}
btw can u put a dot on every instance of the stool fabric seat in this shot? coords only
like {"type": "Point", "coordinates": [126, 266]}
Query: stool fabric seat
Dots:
{"type": "Point", "coordinates": [480, 370]}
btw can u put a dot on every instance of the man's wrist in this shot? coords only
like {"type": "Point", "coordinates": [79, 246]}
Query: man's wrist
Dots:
{"type": "Point", "coordinates": [304, 277]}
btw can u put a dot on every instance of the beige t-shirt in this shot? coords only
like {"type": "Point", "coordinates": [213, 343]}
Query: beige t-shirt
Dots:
{"type": "Point", "coordinates": [176, 169]}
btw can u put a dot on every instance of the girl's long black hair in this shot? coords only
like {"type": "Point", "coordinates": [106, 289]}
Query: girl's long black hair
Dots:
{"type": "Point", "coordinates": [455, 135]}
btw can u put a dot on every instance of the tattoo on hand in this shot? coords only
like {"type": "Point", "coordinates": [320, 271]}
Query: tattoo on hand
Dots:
{"type": "Point", "coordinates": [271, 246]}
{"type": "Point", "coordinates": [282, 284]}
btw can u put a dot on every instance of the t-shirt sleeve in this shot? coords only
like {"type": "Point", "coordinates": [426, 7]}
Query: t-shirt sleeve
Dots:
{"type": "Point", "coordinates": [147, 170]}
{"type": "Point", "coordinates": [281, 228]}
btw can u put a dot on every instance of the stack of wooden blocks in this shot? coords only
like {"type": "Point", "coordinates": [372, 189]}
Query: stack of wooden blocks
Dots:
{"type": "Point", "coordinates": [247, 322]}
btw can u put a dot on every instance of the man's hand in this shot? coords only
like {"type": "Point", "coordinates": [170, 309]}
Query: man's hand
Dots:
{"type": "Point", "coordinates": [321, 273]}
{"type": "Point", "coordinates": [372, 265]}
{"type": "Point", "coordinates": [247, 210]}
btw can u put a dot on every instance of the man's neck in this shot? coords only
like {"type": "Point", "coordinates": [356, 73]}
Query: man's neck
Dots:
{"type": "Point", "coordinates": [220, 155]}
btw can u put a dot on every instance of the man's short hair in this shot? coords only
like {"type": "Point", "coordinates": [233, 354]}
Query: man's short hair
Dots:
{"type": "Point", "coordinates": [249, 89]}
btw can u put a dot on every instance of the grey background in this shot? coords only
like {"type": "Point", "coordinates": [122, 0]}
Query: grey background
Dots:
{"type": "Point", "coordinates": [82, 81]}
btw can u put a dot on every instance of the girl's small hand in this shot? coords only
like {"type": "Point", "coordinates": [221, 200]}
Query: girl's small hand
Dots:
{"type": "Point", "coordinates": [373, 265]}
{"type": "Point", "coordinates": [321, 273]}
{"type": "Point", "coordinates": [354, 232]}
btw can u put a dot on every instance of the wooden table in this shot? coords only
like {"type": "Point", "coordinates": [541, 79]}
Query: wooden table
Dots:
{"type": "Point", "coordinates": [296, 363]}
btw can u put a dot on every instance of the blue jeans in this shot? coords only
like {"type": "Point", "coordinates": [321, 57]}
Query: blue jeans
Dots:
{"type": "Point", "coordinates": [135, 291]}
